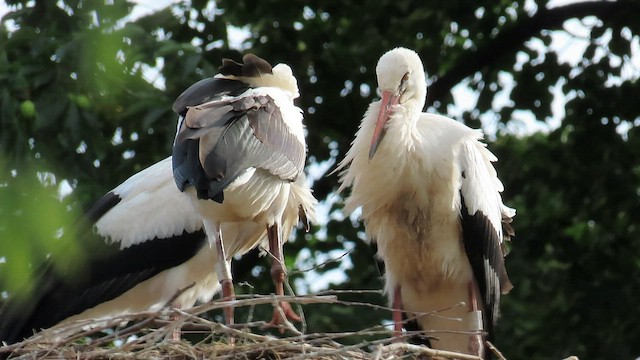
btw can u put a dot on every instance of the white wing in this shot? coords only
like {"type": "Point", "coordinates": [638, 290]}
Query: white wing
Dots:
{"type": "Point", "coordinates": [150, 206]}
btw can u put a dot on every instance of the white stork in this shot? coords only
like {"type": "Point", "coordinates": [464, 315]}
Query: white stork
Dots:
{"type": "Point", "coordinates": [160, 238]}
{"type": "Point", "coordinates": [430, 199]}
{"type": "Point", "coordinates": [149, 243]}
{"type": "Point", "coordinates": [239, 146]}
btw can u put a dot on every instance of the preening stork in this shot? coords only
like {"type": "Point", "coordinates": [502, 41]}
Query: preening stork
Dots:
{"type": "Point", "coordinates": [430, 199]}
{"type": "Point", "coordinates": [239, 146]}
{"type": "Point", "coordinates": [148, 244]}
{"type": "Point", "coordinates": [153, 238]}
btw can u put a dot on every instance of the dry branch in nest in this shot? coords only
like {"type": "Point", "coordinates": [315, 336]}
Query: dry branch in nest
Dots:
{"type": "Point", "coordinates": [149, 338]}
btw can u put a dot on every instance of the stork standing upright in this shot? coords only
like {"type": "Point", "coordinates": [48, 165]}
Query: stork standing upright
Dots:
{"type": "Point", "coordinates": [147, 245]}
{"type": "Point", "coordinates": [430, 199]}
{"type": "Point", "coordinates": [240, 144]}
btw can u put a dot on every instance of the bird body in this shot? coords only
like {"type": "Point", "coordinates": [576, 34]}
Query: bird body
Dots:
{"type": "Point", "coordinates": [418, 179]}
{"type": "Point", "coordinates": [268, 195]}
{"type": "Point", "coordinates": [240, 144]}
{"type": "Point", "coordinates": [251, 145]}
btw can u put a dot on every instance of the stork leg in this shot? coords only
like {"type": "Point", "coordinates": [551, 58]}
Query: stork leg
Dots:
{"type": "Point", "coordinates": [476, 341]}
{"type": "Point", "coordinates": [279, 273]}
{"type": "Point", "coordinates": [223, 270]}
{"type": "Point", "coordinates": [397, 314]}
{"type": "Point", "coordinates": [176, 333]}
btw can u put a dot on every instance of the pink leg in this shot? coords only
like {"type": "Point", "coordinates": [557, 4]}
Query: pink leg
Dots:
{"type": "Point", "coordinates": [278, 273]}
{"type": "Point", "coordinates": [228, 294]}
{"type": "Point", "coordinates": [476, 341]}
{"type": "Point", "coordinates": [176, 334]}
{"type": "Point", "coordinates": [223, 269]}
{"type": "Point", "coordinates": [397, 314]}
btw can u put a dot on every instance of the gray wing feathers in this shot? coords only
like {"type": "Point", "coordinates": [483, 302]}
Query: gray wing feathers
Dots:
{"type": "Point", "coordinates": [237, 134]}
{"type": "Point", "coordinates": [285, 154]}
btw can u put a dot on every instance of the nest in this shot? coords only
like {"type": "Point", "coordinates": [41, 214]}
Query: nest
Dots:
{"type": "Point", "coordinates": [150, 335]}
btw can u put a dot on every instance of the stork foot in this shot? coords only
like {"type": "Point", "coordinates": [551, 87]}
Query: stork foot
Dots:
{"type": "Point", "coordinates": [277, 320]}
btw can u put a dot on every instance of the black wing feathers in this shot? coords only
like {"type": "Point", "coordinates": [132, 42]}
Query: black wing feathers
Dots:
{"type": "Point", "coordinates": [484, 251]}
{"type": "Point", "coordinates": [214, 88]}
{"type": "Point", "coordinates": [102, 206]}
{"type": "Point", "coordinates": [207, 90]}
{"type": "Point", "coordinates": [187, 170]}
{"type": "Point", "coordinates": [105, 273]}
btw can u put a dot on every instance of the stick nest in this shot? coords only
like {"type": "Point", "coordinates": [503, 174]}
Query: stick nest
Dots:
{"type": "Point", "coordinates": [149, 335]}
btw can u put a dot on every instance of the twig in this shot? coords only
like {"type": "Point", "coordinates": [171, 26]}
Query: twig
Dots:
{"type": "Point", "coordinates": [303, 318]}
{"type": "Point", "coordinates": [378, 353]}
{"type": "Point", "coordinates": [423, 350]}
{"type": "Point", "coordinates": [496, 351]}
{"type": "Point", "coordinates": [324, 352]}
{"type": "Point", "coordinates": [261, 300]}
{"type": "Point", "coordinates": [323, 264]}
{"type": "Point", "coordinates": [365, 291]}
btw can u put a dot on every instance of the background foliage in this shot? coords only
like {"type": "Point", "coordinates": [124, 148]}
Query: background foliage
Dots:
{"type": "Point", "coordinates": [83, 105]}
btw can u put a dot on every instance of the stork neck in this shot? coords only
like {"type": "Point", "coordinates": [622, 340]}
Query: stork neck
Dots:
{"type": "Point", "coordinates": [411, 110]}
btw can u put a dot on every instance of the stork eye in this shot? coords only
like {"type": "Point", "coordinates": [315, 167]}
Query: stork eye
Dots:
{"type": "Point", "coordinates": [403, 83]}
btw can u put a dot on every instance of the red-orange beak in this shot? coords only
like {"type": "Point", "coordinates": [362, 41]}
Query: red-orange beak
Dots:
{"type": "Point", "coordinates": [388, 100]}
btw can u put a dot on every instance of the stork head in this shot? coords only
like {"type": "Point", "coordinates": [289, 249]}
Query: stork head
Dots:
{"type": "Point", "coordinates": [281, 76]}
{"type": "Point", "coordinates": [401, 80]}
{"type": "Point", "coordinates": [284, 79]}
{"type": "Point", "coordinates": [257, 72]}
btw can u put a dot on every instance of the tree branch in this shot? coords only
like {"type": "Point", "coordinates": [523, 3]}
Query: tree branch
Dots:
{"type": "Point", "coordinates": [511, 38]}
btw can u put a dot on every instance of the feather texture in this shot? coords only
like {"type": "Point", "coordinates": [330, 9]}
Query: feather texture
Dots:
{"type": "Point", "coordinates": [232, 135]}
{"type": "Point", "coordinates": [430, 200]}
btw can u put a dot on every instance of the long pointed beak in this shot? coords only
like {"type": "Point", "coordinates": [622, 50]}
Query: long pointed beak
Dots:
{"type": "Point", "coordinates": [388, 100]}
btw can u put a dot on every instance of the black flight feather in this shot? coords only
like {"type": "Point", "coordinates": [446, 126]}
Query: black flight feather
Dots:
{"type": "Point", "coordinates": [104, 274]}
{"type": "Point", "coordinates": [483, 248]}
{"type": "Point", "coordinates": [207, 90]}
{"type": "Point", "coordinates": [214, 88]}
{"type": "Point", "coordinates": [102, 206]}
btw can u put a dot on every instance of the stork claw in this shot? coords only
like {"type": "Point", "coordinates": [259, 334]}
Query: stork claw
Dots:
{"type": "Point", "coordinates": [279, 274]}
{"type": "Point", "coordinates": [277, 320]}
